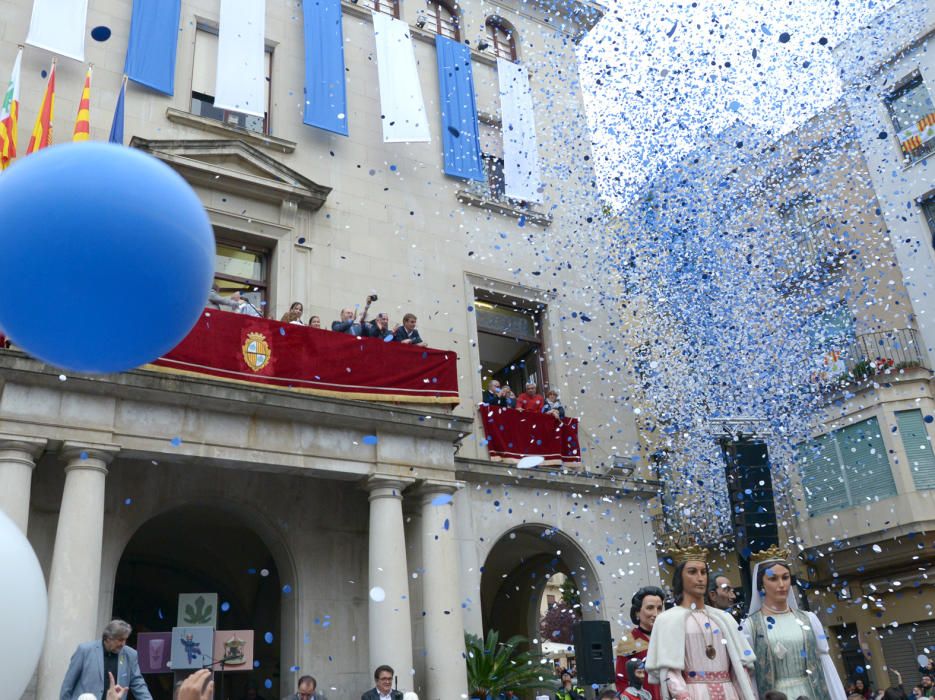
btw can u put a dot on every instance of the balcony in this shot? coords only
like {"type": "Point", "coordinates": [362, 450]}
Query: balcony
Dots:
{"type": "Point", "coordinates": [885, 352]}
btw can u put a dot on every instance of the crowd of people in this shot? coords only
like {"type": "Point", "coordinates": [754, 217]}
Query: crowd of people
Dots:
{"type": "Point", "coordinates": [697, 645]}
{"type": "Point", "coordinates": [350, 321]}
{"type": "Point", "coordinates": [530, 400]}
{"type": "Point", "coordinates": [108, 669]}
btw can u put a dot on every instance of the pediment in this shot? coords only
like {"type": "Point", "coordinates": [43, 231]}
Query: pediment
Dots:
{"type": "Point", "coordinates": [230, 165]}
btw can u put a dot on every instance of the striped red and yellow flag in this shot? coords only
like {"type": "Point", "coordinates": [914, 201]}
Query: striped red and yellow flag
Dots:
{"type": "Point", "coordinates": [926, 121]}
{"type": "Point", "coordinates": [83, 120]}
{"type": "Point", "coordinates": [42, 131]}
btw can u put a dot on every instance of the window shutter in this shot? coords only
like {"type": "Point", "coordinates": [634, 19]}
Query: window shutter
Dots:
{"type": "Point", "coordinates": [866, 463]}
{"type": "Point", "coordinates": [821, 476]}
{"type": "Point", "coordinates": [901, 646]}
{"type": "Point", "coordinates": [204, 72]}
{"type": "Point", "coordinates": [918, 448]}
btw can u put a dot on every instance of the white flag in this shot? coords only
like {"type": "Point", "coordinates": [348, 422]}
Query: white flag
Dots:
{"type": "Point", "coordinates": [401, 106]}
{"type": "Point", "coordinates": [241, 75]}
{"type": "Point", "coordinates": [521, 176]}
{"type": "Point", "coordinates": [59, 26]}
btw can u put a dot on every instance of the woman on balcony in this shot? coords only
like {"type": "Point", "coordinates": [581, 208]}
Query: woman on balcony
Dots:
{"type": "Point", "coordinates": [294, 314]}
{"type": "Point", "coordinates": [790, 645]}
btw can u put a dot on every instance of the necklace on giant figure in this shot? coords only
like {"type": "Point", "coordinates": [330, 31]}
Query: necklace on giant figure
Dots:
{"type": "Point", "coordinates": [709, 650]}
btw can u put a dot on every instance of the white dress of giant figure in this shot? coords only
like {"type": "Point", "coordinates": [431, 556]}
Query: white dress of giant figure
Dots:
{"type": "Point", "coordinates": [790, 644]}
{"type": "Point", "coordinates": [697, 652]}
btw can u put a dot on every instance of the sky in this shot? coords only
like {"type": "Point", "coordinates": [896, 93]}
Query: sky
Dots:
{"type": "Point", "coordinates": [662, 76]}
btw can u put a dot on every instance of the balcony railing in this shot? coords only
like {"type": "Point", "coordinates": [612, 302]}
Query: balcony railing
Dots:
{"type": "Point", "coordinates": [902, 346]}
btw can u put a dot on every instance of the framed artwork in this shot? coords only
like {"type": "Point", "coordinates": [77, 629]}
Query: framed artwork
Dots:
{"type": "Point", "coordinates": [154, 649]}
{"type": "Point", "coordinates": [192, 647]}
{"type": "Point", "coordinates": [236, 648]}
{"type": "Point", "coordinates": [198, 610]}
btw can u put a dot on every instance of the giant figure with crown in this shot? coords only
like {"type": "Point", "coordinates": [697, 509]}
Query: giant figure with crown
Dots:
{"type": "Point", "coordinates": [697, 652]}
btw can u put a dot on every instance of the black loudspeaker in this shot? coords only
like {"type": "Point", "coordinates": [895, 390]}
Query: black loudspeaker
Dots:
{"type": "Point", "coordinates": [594, 655]}
{"type": "Point", "coordinates": [753, 511]}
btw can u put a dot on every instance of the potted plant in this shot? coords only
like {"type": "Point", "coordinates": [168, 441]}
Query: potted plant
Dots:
{"type": "Point", "coordinates": [497, 669]}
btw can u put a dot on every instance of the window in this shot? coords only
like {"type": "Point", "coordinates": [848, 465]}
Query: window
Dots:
{"type": "Point", "coordinates": [913, 115]}
{"type": "Point", "coordinates": [204, 77]}
{"type": "Point", "coordinates": [509, 339]}
{"type": "Point", "coordinates": [928, 210]}
{"type": "Point", "coordinates": [810, 230]}
{"type": "Point", "coordinates": [387, 7]}
{"type": "Point", "coordinates": [501, 38]}
{"type": "Point", "coordinates": [443, 19]}
{"type": "Point", "coordinates": [918, 447]}
{"type": "Point", "coordinates": [846, 468]}
{"type": "Point", "coordinates": [242, 268]}
{"type": "Point", "coordinates": [493, 187]}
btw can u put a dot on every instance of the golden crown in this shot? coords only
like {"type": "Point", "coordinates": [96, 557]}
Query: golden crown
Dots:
{"type": "Point", "coordinates": [773, 553]}
{"type": "Point", "coordinates": [680, 555]}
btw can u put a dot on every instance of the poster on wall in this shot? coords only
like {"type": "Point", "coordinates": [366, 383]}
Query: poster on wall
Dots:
{"type": "Point", "coordinates": [154, 651]}
{"type": "Point", "coordinates": [235, 647]}
{"type": "Point", "coordinates": [192, 647]}
{"type": "Point", "coordinates": [198, 610]}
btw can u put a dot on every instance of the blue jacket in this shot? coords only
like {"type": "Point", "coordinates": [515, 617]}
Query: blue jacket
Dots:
{"type": "Point", "coordinates": [85, 672]}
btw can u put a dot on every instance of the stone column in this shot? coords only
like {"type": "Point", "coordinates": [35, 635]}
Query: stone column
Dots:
{"type": "Point", "coordinates": [18, 457]}
{"type": "Point", "coordinates": [444, 624]}
{"type": "Point", "coordinates": [75, 575]}
{"type": "Point", "coordinates": [390, 624]}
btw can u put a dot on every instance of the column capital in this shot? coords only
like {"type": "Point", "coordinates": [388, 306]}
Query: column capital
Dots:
{"type": "Point", "coordinates": [429, 489]}
{"type": "Point", "coordinates": [88, 455]}
{"type": "Point", "coordinates": [33, 447]}
{"type": "Point", "coordinates": [385, 486]}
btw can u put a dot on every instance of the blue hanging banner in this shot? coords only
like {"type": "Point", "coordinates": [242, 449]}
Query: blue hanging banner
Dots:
{"type": "Point", "coordinates": [154, 34]}
{"type": "Point", "coordinates": [325, 91]}
{"type": "Point", "coordinates": [458, 110]}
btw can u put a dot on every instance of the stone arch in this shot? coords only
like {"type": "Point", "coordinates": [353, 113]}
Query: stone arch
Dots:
{"type": "Point", "coordinates": [210, 560]}
{"type": "Point", "coordinates": [516, 569]}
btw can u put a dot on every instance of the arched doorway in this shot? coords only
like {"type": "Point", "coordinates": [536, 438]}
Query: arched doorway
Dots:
{"type": "Point", "coordinates": [199, 549]}
{"type": "Point", "coordinates": [521, 567]}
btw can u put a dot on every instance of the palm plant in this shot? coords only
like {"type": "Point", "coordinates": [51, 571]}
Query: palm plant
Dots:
{"type": "Point", "coordinates": [495, 668]}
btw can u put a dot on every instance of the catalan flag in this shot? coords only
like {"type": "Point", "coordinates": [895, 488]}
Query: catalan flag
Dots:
{"type": "Point", "coordinates": [42, 131]}
{"type": "Point", "coordinates": [9, 115]}
{"type": "Point", "coordinates": [83, 121]}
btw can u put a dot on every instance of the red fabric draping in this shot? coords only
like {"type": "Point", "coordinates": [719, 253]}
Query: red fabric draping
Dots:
{"type": "Point", "coordinates": [243, 348]}
{"type": "Point", "coordinates": [512, 435]}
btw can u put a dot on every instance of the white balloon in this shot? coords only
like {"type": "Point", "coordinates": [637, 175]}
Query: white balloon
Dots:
{"type": "Point", "coordinates": [23, 608]}
{"type": "Point", "coordinates": [922, 660]}
{"type": "Point", "coordinates": [377, 594]}
{"type": "Point", "coordinates": [530, 462]}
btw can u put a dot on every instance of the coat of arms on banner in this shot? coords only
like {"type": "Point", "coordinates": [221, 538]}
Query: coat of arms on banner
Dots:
{"type": "Point", "coordinates": [256, 351]}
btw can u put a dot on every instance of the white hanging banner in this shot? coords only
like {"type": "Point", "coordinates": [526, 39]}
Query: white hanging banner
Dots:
{"type": "Point", "coordinates": [401, 106]}
{"type": "Point", "coordinates": [240, 85]}
{"type": "Point", "coordinates": [59, 26]}
{"type": "Point", "coordinates": [521, 176]}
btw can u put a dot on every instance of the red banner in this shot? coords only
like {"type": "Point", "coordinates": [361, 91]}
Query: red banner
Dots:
{"type": "Point", "coordinates": [512, 435]}
{"type": "Point", "coordinates": [242, 348]}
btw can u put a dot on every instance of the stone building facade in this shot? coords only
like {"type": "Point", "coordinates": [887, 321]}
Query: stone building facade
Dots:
{"type": "Point", "coordinates": [339, 554]}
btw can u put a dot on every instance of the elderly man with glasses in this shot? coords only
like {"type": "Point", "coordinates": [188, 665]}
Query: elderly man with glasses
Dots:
{"type": "Point", "coordinates": [93, 661]}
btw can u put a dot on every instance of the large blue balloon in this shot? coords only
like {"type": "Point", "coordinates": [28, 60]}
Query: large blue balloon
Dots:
{"type": "Point", "coordinates": [106, 256]}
